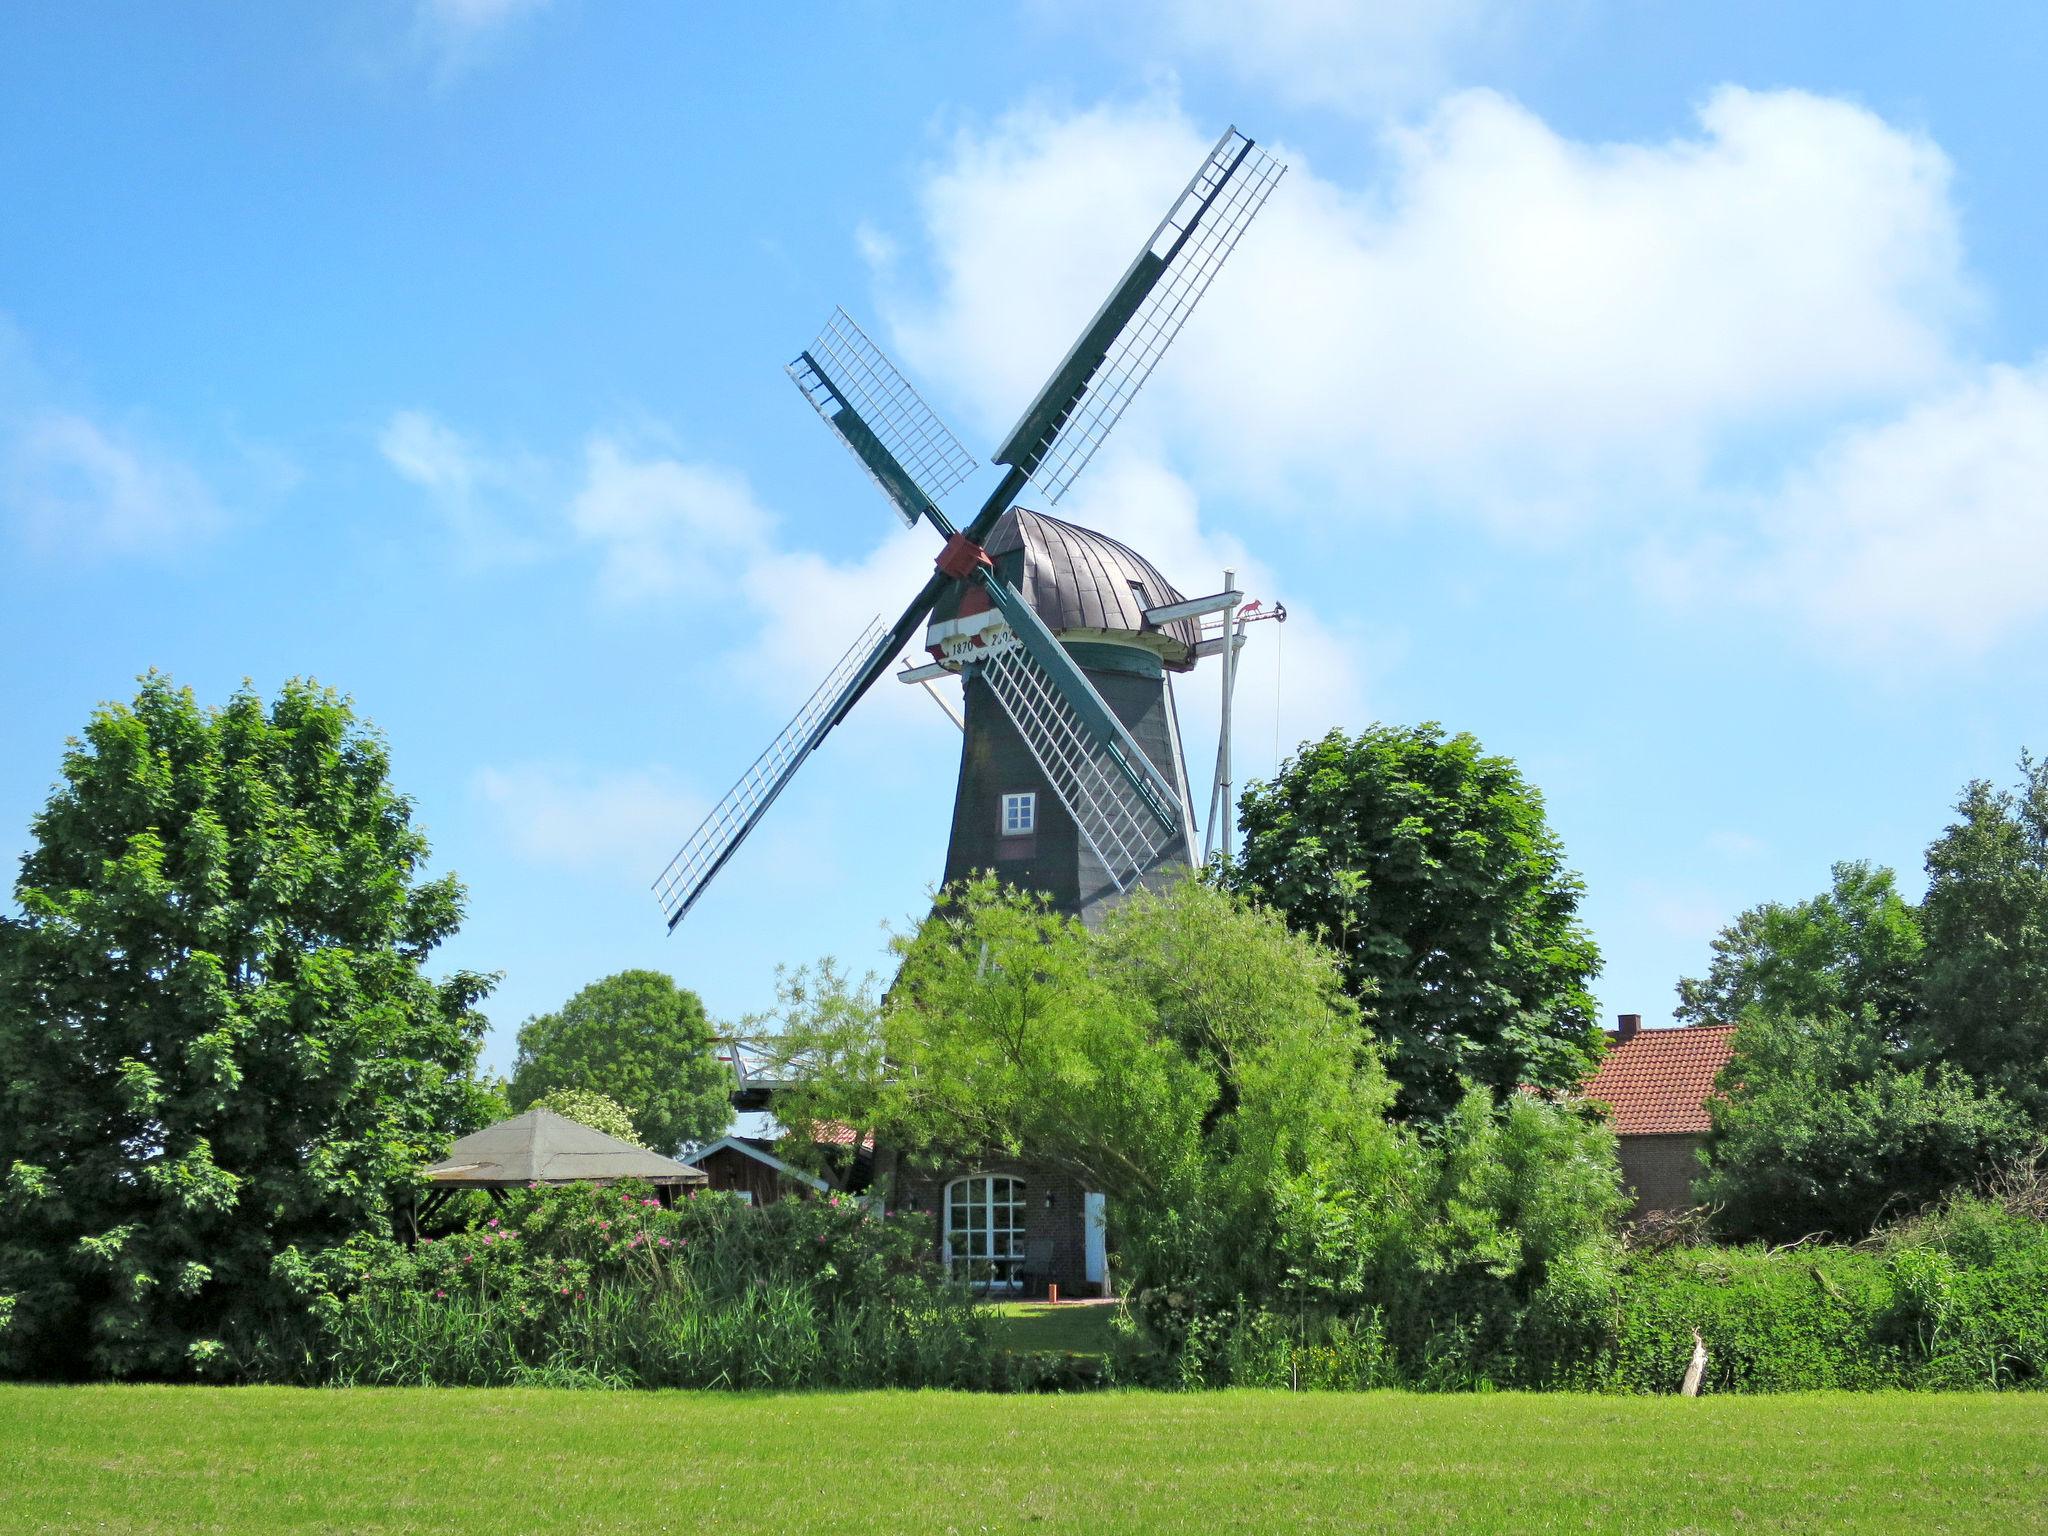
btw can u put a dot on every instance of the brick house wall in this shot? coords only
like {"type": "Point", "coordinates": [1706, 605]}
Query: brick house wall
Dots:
{"type": "Point", "coordinates": [1659, 1170]}
{"type": "Point", "coordinates": [924, 1190]}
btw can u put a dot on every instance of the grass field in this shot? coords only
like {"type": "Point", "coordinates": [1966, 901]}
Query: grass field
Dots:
{"type": "Point", "coordinates": [1066, 1326]}
{"type": "Point", "coordinates": [160, 1459]}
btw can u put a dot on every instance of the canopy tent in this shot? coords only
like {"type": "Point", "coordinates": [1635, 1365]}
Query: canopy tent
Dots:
{"type": "Point", "coordinates": [542, 1147]}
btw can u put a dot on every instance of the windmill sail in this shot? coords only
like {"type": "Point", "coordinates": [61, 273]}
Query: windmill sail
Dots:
{"type": "Point", "coordinates": [721, 833]}
{"type": "Point", "coordinates": [1114, 819]}
{"type": "Point", "coordinates": [1061, 429]}
{"type": "Point", "coordinates": [900, 441]}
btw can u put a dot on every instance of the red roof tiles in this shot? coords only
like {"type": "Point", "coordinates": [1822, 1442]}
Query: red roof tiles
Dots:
{"type": "Point", "coordinates": [837, 1133]}
{"type": "Point", "coordinates": [1658, 1083]}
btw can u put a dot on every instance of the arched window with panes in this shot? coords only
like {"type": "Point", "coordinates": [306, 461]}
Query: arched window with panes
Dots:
{"type": "Point", "coordinates": [985, 1230]}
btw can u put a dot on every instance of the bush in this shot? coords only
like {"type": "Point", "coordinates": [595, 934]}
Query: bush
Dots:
{"type": "Point", "coordinates": [1957, 1299]}
{"type": "Point", "coordinates": [591, 1286]}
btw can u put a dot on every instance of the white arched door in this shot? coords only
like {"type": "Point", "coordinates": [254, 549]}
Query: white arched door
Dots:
{"type": "Point", "coordinates": [985, 1230]}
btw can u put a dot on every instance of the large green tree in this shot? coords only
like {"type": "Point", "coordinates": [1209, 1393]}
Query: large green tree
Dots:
{"type": "Point", "coordinates": [639, 1039]}
{"type": "Point", "coordinates": [221, 1056]}
{"type": "Point", "coordinates": [1430, 866]}
{"type": "Point", "coordinates": [1985, 991]}
{"type": "Point", "coordinates": [1822, 1127]}
{"type": "Point", "coordinates": [1853, 949]}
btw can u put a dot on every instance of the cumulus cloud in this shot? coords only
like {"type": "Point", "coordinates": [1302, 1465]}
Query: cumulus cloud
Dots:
{"type": "Point", "coordinates": [584, 820]}
{"type": "Point", "coordinates": [457, 33]}
{"type": "Point", "coordinates": [76, 484]}
{"type": "Point", "coordinates": [664, 526]}
{"type": "Point", "coordinates": [1509, 321]}
{"type": "Point", "coordinates": [483, 497]}
{"type": "Point", "coordinates": [1354, 56]}
{"type": "Point", "coordinates": [1924, 533]}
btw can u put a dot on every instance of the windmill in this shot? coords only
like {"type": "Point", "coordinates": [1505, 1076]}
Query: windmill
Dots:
{"type": "Point", "coordinates": [1127, 813]}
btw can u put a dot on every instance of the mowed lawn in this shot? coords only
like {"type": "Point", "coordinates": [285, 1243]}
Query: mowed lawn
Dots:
{"type": "Point", "coordinates": [151, 1459]}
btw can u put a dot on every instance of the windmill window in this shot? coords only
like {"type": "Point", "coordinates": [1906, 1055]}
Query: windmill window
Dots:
{"type": "Point", "coordinates": [1020, 814]}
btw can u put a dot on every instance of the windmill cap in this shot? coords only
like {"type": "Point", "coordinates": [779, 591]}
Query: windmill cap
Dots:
{"type": "Point", "coordinates": [1083, 584]}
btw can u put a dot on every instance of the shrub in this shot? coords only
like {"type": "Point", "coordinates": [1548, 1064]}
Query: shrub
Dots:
{"type": "Point", "coordinates": [608, 1287]}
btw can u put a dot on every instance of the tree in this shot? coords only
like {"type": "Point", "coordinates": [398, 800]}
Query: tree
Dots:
{"type": "Point", "coordinates": [1855, 949]}
{"type": "Point", "coordinates": [1985, 993]}
{"type": "Point", "coordinates": [1429, 865]}
{"type": "Point", "coordinates": [221, 1057]}
{"type": "Point", "coordinates": [591, 1109]}
{"type": "Point", "coordinates": [1819, 1128]}
{"type": "Point", "coordinates": [639, 1039]}
{"type": "Point", "coordinates": [1201, 1064]}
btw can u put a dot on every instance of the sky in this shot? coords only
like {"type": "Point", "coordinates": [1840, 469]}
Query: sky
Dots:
{"type": "Point", "coordinates": [1655, 390]}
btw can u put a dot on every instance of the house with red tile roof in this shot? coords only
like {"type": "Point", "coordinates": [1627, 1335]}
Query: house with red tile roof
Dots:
{"type": "Point", "coordinates": [1656, 1084]}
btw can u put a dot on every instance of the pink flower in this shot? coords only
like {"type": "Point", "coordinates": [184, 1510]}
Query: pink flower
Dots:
{"type": "Point", "coordinates": [488, 1239]}
{"type": "Point", "coordinates": [604, 1226]}
{"type": "Point", "coordinates": [469, 1258]}
{"type": "Point", "coordinates": [442, 1294]}
{"type": "Point", "coordinates": [565, 1290]}
{"type": "Point", "coordinates": [492, 1222]}
{"type": "Point", "coordinates": [663, 1241]}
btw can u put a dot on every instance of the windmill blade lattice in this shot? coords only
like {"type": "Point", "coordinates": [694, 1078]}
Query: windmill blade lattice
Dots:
{"type": "Point", "coordinates": [853, 385]}
{"type": "Point", "coordinates": [721, 832]}
{"type": "Point", "coordinates": [1060, 431]}
{"type": "Point", "coordinates": [1124, 832]}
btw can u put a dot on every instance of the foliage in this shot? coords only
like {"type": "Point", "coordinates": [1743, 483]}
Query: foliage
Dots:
{"type": "Point", "coordinates": [1431, 868]}
{"type": "Point", "coordinates": [1818, 1129]}
{"type": "Point", "coordinates": [220, 1054]}
{"type": "Point", "coordinates": [591, 1109]}
{"type": "Point", "coordinates": [1986, 917]}
{"type": "Point", "coordinates": [639, 1039]}
{"type": "Point", "coordinates": [589, 1286]}
{"type": "Point", "coordinates": [1854, 949]}
{"type": "Point", "coordinates": [1194, 1061]}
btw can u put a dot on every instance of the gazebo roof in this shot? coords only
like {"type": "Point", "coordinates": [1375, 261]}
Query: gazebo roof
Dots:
{"type": "Point", "coordinates": [542, 1147]}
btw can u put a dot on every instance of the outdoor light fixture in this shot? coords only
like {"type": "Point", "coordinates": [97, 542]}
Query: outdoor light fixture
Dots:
{"type": "Point", "coordinates": [1048, 1199]}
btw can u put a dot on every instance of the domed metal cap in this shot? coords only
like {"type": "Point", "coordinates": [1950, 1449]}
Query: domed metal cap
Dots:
{"type": "Point", "coordinates": [1084, 584]}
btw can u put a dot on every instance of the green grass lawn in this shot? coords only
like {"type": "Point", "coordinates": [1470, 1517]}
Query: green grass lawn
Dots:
{"type": "Point", "coordinates": [160, 1459]}
{"type": "Point", "coordinates": [1067, 1326]}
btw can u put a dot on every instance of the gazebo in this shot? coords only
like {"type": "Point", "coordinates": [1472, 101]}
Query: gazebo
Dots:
{"type": "Point", "coordinates": [542, 1147]}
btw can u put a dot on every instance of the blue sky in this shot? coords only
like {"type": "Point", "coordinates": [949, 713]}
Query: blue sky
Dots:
{"type": "Point", "coordinates": [1655, 391]}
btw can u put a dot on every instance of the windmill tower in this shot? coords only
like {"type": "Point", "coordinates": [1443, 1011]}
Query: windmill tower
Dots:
{"type": "Point", "coordinates": [1072, 778]}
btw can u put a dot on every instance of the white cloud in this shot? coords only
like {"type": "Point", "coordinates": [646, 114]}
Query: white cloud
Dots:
{"type": "Point", "coordinates": [481, 496]}
{"type": "Point", "coordinates": [1513, 321]}
{"type": "Point", "coordinates": [73, 483]}
{"type": "Point", "coordinates": [1926, 531]}
{"type": "Point", "coordinates": [1356, 56]}
{"type": "Point", "coordinates": [665, 527]}
{"type": "Point", "coordinates": [456, 33]}
{"type": "Point", "coordinates": [588, 821]}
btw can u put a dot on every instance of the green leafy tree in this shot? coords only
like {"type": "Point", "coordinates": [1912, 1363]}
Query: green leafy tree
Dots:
{"type": "Point", "coordinates": [640, 1040]}
{"type": "Point", "coordinates": [1856, 948]}
{"type": "Point", "coordinates": [591, 1109]}
{"type": "Point", "coordinates": [1985, 993]}
{"type": "Point", "coordinates": [1819, 1128]}
{"type": "Point", "coordinates": [221, 1057]}
{"type": "Point", "coordinates": [1431, 868]}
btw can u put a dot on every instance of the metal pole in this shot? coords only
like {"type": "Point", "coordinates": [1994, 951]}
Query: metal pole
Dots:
{"type": "Point", "coordinates": [1223, 740]}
